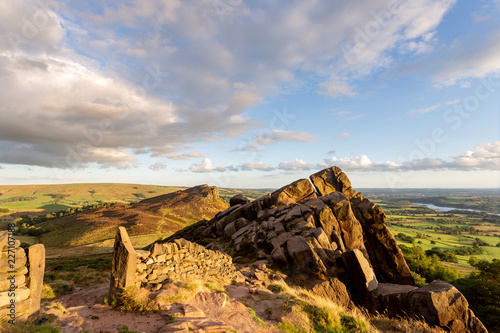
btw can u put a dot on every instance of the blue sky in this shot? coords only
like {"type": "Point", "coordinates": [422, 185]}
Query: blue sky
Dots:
{"type": "Point", "coordinates": [236, 93]}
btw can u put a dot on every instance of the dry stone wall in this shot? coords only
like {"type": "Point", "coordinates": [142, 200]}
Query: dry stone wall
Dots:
{"type": "Point", "coordinates": [21, 278]}
{"type": "Point", "coordinates": [179, 260]}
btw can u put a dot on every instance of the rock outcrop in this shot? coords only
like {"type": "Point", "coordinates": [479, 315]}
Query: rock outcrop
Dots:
{"type": "Point", "coordinates": [323, 230]}
{"type": "Point", "coordinates": [307, 225]}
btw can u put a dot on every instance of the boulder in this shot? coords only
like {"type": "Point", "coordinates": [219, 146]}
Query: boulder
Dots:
{"type": "Point", "coordinates": [36, 270]}
{"type": "Point", "coordinates": [360, 272]}
{"type": "Point", "coordinates": [124, 263]}
{"type": "Point", "coordinates": [295, 192]}
{"type": "Point", "coordinates": [352, 232]}
{"type": "Point", "coordinates": [332, 180]}
{"type": "Point", "coordinates": [331, 289]}
{"type": "Point", "coordinates": [394, 297]}
{"type": "Point", "coordinates": [238, 199]}
{"type": "Point", "coordinates": [304, 257]}
{"type": "Point", "coordinates": [440, 304]}
{"type": "Point", "coordinates": [385, 255]}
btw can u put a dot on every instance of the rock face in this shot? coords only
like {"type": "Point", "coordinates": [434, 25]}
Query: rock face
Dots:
{"type": "Point", "coordinates": [323, 230]}
{"type": "Point", "coordinates": [307, 225]}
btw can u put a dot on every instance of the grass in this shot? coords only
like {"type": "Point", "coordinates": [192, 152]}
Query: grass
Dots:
{"type": "Point", "coordinates": [313, 314]}
{"type": "Point", "coordinates": [78, 193]}
{"type": "Point", "coordinates": [30, 326]}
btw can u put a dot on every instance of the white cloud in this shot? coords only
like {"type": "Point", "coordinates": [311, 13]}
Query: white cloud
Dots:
{"type": "Point", "coordinates": [335, 89]}
{"type": "Point", "coordinates": [295, 165]}
{"type": "Point", "coordinates": [205, 166]}
{"type": "Point", "coordinates": [485, 157]}
{"type": "Point", "coordinates": [158, 166]}
{"type": "Point", "coordinates": [356, 116]}
{"type": "Point", "coordinates": [183, 157]}
{"type": "Point", "coordinates": [342, 136]}
{"type": "Point", "coordinates": [280, 135]}
{"type": "Point", "coordinates": [195, 154]}
{"type": "Point", "coordinates": [257, 166]}
{"type": "Point", "coordinates": [423, 110]}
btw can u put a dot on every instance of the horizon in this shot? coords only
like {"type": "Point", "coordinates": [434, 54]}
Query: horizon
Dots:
{"type": "Point", "coordinates": [249, 95]}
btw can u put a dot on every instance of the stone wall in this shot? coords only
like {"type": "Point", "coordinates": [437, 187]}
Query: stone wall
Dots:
{"type": "Point", "coordinates": [179, 260]}
{"type": "Point", "coordinates": [21, 279]}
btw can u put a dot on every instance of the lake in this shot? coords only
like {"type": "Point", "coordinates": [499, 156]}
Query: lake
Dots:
{"type": "Point", "coordinates": [447, 209]}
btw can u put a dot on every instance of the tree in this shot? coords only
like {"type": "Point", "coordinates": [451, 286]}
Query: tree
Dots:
{"type": "Point", "coordinates": [482, 290]}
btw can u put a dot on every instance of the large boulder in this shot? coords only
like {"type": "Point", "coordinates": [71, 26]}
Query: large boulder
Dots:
{"type": "Point", "coordinates": [441, 304]}
{"type": "Point", "coordinates": [295, 192]}
{"type": "Point", "coordinates": [238, 199]}
{"type": "Point", "coordinates": [360, 272]}
{"type": "Point", "coordinates": [394, 297]}
{"type": "Point", "coordinates": [332, 289]}
{"type": "Point", "coordinates": [304, 257]}
{"type": "Point", "coordinates": [332, 180]}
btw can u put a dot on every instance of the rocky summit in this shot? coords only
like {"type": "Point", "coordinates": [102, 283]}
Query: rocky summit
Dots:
{"type": "Point", "coordinates": [333, 240]}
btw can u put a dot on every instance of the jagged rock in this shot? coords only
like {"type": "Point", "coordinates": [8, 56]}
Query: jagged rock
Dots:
{"type": "Point", "coordinates": [238, 199]}
{"type": "Point", "coordinates": [123, 266]}
{"type": "Point", "coordinates": [440, 304]}
{"type": "Point", "coordinates": [332, 180]}
{"type": "Point", "coordinates": [394, 297]}
{"type": "Point", "coordinates": [360, 272]}
{"type": "Point", "coordinates": [295, 192]}
{"type": "Point", "coordinates": [352, 232]}
{"type": "Point", "coordinates": [36, 269]}
{"type": "Point", "coordinates": [323, 229]}
{"type": "Point", "coordinates": [304, 257]}
{"type": "Point", "coordinates": [385, 255]}
{"type": "Point", "coordinates": [331, 289]}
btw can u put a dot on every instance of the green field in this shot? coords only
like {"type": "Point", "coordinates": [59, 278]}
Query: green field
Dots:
{"type": "Point", "coordinates": [74, 195]}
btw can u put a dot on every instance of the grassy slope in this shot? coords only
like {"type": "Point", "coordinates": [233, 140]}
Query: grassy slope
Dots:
{"type": "Point", "coordinates": [78, 194]}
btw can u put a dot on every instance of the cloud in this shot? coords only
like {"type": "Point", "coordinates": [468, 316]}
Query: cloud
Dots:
{"type": "Point", "coordinates": [423, 110]}
{"type": "Point", "coordinates": [249, 148]}
{"type": "Point", "coordinates": [195, 154]}
{"type": "Point", "coordinates": [257, 166]}
{"type": "Point", "coordinates": [342, 113]}
{"type": "Point", "coordinates": [188, 73]}
{"type": "Point", "coordinates": [472, 58]}
{"type": "Point", "coordinates": [295, 165]}
{"type": "Point", "coordinates": [356, 116]}
{"type": "Point", "coordinates": [280, 135]}
{"type": "Point", "coordinates": [158, 166]}
{"type": "Point", "coordinates": [335, 89]}
{"type": "Point", "coordinates": [485, 157]}
{"type": "Point", "coordinates": [183, 157]}
{"type": "Point", "coordinates": [205, 166]}
{"type": "Point", "coordinates": [342, 136]}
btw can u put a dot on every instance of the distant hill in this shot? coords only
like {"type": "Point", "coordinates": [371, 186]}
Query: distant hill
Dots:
{"type": "Point", "coordinates": [160, 215]}
{"type": "Point", "coordinates": [63, 196]}
{"type": "Point", "coordinates": [60, 197]}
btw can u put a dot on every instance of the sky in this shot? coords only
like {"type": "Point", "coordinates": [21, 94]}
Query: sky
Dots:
{"type": "Point", "coordinates": [250, 94]}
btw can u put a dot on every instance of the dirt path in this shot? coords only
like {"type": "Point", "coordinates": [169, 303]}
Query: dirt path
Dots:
{"type": "Point", "coordinates": [83, 309]}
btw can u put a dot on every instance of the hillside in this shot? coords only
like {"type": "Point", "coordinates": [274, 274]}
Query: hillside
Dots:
{"type": "Point", "coordinates": [60, 197]}
{"type": "Point", "coordinates": [159, 215]}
